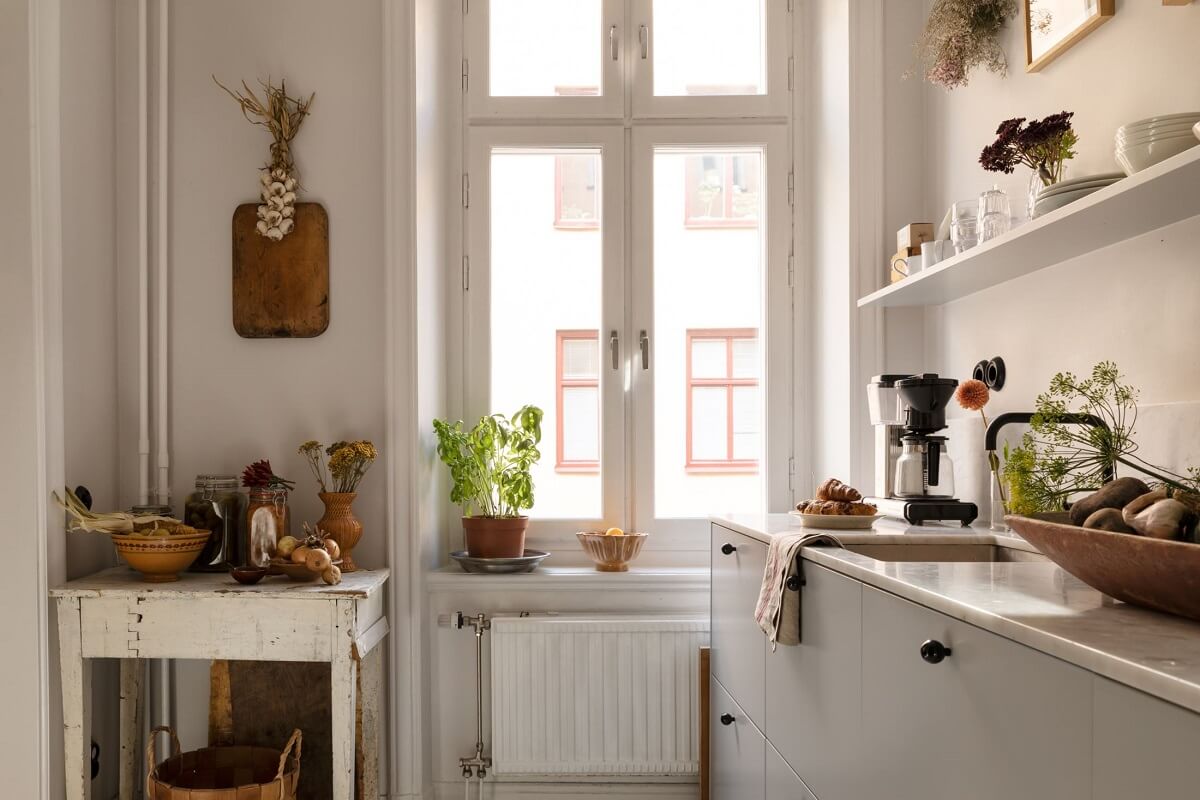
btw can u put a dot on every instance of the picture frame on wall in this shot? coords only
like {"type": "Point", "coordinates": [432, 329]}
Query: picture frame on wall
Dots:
{"type": "Point", "coordinates": [1052, 27]}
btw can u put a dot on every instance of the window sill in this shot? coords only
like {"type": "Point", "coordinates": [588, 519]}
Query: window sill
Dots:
{"type": "Point", "coordinates": [573, 579]}
{"type": "Point", "coordinates": [720, 469]}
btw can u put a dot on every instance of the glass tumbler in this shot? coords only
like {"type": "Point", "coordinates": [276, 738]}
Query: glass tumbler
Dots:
{"type": "Point", "coordinates": [995, 214]}
{"type": "Point", "coordinates": [964, 225]}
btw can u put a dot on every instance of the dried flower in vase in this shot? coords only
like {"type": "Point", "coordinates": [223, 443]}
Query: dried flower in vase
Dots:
{"type": "Point", "coordinates": [961, 35]}
{"type": "Point", "coordinates": [340, 466]}
{"type": "Point", "coordinates": [281, 115]}
{"type": "Point", "coordinates": [259, 475]}
{"type": "Point", "coordinates": [973, 395]}
{"type": "Point", "coordinates": [1043, 145]}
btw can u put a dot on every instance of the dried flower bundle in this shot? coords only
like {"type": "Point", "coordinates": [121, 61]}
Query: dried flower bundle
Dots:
{"type": "Point", "coordinates": [973, 395]}
{"type": "Point", "coordinates": [340, 466]}
{"type": "Point", "coordinates": [1043, 145]}
{"type": "Point", "coordinates": [259, 475]}
{"type": "Point", "coordinates": [281, 115]}
{"type": "Point", "coordinates": [961, 35]}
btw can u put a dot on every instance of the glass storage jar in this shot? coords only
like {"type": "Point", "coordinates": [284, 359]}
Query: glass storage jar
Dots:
{"type": "Point", "coordinates": [217, 506]}
{"type": "Point", "coordinates": [267, 521]}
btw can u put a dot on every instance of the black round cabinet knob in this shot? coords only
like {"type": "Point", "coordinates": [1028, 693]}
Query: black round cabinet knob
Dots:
{"type": "Point", "coordinates": [794, 583]}
{"type": "Point", "coordinates": [728, 549]}
{"type": "Point", "coordinates": [727, 719]}
{"type": "Point", "coordinates": [934, 652]}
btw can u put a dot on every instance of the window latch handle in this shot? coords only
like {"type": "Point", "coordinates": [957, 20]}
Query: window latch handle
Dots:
{"type": "Point", "coordinates": [644, 39]}
{"type": "Point", "coordinates": [614, 47]}
{"type": "Point", "coordinates": [644, 344]}
{"type": "Point", "coordinates": [614, 349]}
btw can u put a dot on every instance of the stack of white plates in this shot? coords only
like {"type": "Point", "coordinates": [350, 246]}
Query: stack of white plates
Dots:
{"type": "Point", "coordinates": [1064, 192]}
{"type": "Point", "coordinates": [1146, 142]}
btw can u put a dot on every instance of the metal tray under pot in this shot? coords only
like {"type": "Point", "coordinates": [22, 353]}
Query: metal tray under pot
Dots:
{"type": "Point", "coordinates": [500, 566]}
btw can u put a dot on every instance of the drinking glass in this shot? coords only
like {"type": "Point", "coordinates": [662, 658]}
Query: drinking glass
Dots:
{"type": "Point", "coordinates": [995, 214]}
{"type": "Point", "coordinates": [964, 225]}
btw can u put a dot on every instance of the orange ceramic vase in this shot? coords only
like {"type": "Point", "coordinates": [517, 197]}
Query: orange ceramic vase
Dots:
{"type": "Point", "coordinates": [340, 524]}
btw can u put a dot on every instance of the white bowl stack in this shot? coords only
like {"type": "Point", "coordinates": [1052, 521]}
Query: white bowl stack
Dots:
{"type": "Point", "coordinates": [1146, 142]}
{"type": "Point", "coordinates": [1065, 192]}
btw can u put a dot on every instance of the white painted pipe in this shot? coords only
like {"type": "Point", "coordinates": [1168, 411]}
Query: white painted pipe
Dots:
{"type": "Point", "coordinates": [143, 262]}
{"type": "Point", "coordinates": [163, 373]}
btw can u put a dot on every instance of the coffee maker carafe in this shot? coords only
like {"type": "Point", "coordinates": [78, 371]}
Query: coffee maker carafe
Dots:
{"type": "Point", "coordinates": [914, 474]}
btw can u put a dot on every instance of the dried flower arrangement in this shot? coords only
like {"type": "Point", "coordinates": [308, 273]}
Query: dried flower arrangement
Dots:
{"type": "Point", "coordinates": [1043, 145]}
{"type": "Point", "coordinates": [961, 35]}
{"type": "Point", "coordinates": [281, 115]}
{"type": "Point", "coordinates": [259, 475]}
{"type": "Point", "coordinates": [973, 395]}
{"type": "Point", "coordinates": [339, 467]}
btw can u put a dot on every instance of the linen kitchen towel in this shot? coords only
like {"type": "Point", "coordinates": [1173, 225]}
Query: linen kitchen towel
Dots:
{"type": "Point", "coordinates": [778, 609]}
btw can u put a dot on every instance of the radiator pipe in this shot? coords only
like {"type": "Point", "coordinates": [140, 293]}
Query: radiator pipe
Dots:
{"type": "Point", "coordinates": [477, 765]}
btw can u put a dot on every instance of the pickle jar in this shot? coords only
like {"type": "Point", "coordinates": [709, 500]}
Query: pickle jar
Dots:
{"type": "Point", "coordinates": [217, 506]}
{"type": "Point", "coordinates": [267, 521]}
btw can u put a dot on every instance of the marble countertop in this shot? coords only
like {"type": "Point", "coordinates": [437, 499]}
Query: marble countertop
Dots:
{"type": "Point", "coordinates": [1034, 603]}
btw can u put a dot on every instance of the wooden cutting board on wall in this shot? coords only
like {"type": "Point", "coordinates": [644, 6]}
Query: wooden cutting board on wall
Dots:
{"type": "Point", "coordinates": [281, 289]}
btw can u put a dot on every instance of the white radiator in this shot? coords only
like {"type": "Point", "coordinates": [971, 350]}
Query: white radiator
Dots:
{"type": "Point", "coordinates": [596, 695]}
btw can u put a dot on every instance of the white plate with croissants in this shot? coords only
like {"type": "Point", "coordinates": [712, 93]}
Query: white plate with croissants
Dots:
{"type": "Point", "coordinates": [837, 506]}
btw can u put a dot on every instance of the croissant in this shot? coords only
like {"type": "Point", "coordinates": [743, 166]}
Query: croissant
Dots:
{"type": "Point", "coordinates": [833, 489]}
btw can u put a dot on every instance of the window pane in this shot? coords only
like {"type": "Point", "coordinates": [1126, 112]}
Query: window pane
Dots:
{"type": "Point", "coordinates": [705, 279]}
{"type": "Point", "coordinates": [745, 358]}
{"type": "Point", "coordinates": [543, 280]}
{"type": "Point", "coordinates": [544, 48]}
{"type": "Point", "coordinates": [578, 201]}
{"type": "Point", "coordinates": [581, 424]}
{"type": "Point", "coordinates": [747, 417]}
{"type": "Point", "coordinates": [709, 47]}
{"type": "Point", "coordinates": [710, 418]}
{"type": "Point", "coordinates": [581, 359]}
{"type": "Point", "coordinates": [709, 357]}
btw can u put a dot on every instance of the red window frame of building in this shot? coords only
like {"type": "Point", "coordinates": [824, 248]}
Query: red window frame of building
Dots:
{"type": "Point", "coordinates": [559, 221]}
{"type": "Point", "coordinates": [729, 335]}
{"type": "Point", "coordinates": [691, 185]}
{"type": "Point", "coordinates": [560, 383]}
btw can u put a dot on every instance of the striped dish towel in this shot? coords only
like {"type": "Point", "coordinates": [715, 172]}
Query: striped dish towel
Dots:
{"type": "Point", "coordinates": [778, 610]}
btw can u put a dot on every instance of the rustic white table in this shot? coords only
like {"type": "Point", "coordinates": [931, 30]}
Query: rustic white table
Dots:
{"type": "Point", "coordinates": [114, 614]}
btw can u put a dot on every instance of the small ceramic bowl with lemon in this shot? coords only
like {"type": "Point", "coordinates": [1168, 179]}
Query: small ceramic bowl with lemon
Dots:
{"type": "Point", "coordinates": [613, 549]}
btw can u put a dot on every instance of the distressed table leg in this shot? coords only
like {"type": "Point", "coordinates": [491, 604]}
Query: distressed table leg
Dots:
{"type": "Point", "coordinates": [343, 677]}
{"type": "Point", "coordinates": [132, 711]}
{"type": "Point", "coordinates": [77, 701]}
{"type": "Point", "coordinates": [366, 763]}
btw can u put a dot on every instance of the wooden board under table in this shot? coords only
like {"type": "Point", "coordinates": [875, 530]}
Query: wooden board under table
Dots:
{"type": "Point", "coordinates": [281, 289]}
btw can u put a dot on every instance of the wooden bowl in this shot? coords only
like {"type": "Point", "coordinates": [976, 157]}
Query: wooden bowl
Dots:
{"type": "Point", "coordinates": [160, 559]}
{"type": "Point", "coordinates": [299, 573]}
{"type": "Point", "coordinates": [611, 553]}
{"type": "Point", "coordinates": [1153, 573]}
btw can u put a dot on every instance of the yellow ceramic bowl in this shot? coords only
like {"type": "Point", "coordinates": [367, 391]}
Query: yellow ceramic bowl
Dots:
{"type": "Point", "coordinates": [611, 553]}
{"type": "Point", "coordinates": [160, 558]}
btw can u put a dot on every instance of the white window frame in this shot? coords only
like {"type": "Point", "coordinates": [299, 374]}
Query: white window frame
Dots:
{"type": "Point", "coordinates": [481, 141]}
{"type": "Point", "coordinates": [776, 102]}
{"type": "Point", "coordinates": [609, 103]}
{"type": "Point", "coordinates": [775, 331]}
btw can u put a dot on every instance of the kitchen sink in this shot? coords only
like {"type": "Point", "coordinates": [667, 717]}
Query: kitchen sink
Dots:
{"type": "Point", "coordinates": [984, 553]}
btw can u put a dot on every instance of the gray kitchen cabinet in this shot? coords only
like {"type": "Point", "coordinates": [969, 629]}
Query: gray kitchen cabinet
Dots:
{"type": "Point", "coordinates": [990, 720]}
{"type": "Point", "coordinates": [782, 783]}
{"type": "Point", "coordinates": [814, 690]}
{"type": "Point", "coordinates": [737, 750]}
{"type": "Point", "coordinates": [738, 645]}
{"type": "Point", "coordinates": [1142, 747]}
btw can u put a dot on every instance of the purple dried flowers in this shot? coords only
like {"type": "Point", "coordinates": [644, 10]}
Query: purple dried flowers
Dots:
{"type": "Point", "coordinates": [961, 35]}
{"type": "Point", "coordinates": [1043, 145]}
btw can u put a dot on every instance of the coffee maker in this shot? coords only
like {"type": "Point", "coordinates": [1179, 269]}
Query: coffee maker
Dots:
{"type": "Point", "coordinates": [914, 476]}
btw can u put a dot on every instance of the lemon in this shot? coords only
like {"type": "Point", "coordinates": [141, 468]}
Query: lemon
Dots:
{"type": "Point", "coordinates": [614, 532]}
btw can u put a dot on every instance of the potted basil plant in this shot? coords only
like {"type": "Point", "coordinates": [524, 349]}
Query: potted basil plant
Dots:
{"type": "Point", "coordinates": [490, 466]}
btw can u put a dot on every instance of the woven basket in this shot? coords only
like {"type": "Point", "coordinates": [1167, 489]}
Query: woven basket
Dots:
{"type": "Point", "coordinates": [223, 773]}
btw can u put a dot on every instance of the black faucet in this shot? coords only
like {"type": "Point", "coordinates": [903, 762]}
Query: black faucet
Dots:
{"type": "Point", "coordinates": [1019, 417]}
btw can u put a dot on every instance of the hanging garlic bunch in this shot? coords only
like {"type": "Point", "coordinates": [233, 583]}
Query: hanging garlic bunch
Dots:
{"type": "Point", "coordinates": [281, 115]}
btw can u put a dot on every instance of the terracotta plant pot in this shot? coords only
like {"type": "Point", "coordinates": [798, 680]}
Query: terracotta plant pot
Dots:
{"type": "Point", "coordinates": [340, 524]}
{"type": "Point", "coordinates": [495, 537]}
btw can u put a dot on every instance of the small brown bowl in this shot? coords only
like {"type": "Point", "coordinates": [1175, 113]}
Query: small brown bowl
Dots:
{"type": "Point", "coordinates": [611, 553]}
{"type": "Point", "coordinates": [248, 575]}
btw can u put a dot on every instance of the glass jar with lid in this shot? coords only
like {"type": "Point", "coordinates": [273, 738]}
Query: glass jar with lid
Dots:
{"type": "Point", "coordinates": [216, 505]}
{"type": "Point", "coordinates": [267, 521]}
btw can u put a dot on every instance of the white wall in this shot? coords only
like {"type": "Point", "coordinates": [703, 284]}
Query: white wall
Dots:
{"type": "Point", "coordinates": [1135, 303]}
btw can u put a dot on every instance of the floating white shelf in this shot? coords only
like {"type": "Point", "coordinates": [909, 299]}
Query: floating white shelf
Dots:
{"type": "Point", "coordinates": [1154, 198]}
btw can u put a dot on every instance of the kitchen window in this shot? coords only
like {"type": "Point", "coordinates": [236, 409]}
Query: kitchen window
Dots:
{"type": "Point", "coordinates": [668, 242]}
{"type": "Point", "coordinates": [577, 406]}
{"type": "Point", "coordinates": [723, 420]}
